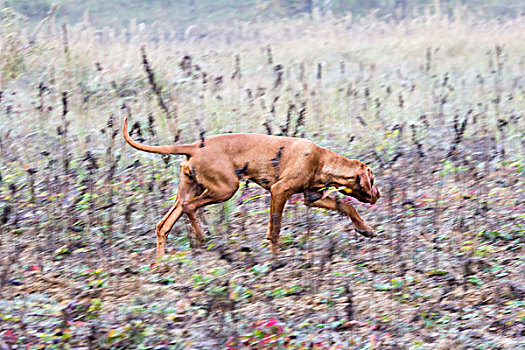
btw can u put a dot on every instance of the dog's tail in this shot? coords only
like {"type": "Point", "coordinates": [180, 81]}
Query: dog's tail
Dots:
{"type": "Point", "coordinates": [172, 149]}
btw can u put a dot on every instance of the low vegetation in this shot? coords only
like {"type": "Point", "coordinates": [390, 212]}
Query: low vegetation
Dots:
{"type": "Point", "coordinates": [435, 106]}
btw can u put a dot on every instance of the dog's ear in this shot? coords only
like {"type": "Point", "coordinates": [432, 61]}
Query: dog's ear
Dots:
{"type": "Point", "coordinates": [363, 180]}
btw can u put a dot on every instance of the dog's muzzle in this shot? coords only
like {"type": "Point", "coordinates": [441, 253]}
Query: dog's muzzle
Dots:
{"type": "Point", "coordinates": [363, 197]}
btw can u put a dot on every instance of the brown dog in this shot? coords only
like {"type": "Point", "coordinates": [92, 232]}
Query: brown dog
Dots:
{"type": "Point", "coordinates": [282, 165]}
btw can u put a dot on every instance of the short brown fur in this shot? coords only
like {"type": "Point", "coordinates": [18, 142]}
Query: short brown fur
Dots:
{"type": "Point", "coordinates": [215, 165]}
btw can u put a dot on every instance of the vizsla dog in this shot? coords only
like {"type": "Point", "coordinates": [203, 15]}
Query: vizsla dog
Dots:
{"type": "Point", "coordinates": [215, 165]}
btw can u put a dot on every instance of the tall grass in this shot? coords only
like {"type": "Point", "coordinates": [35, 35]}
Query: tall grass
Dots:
{"type": "Point", "coordinates": [434, 106]}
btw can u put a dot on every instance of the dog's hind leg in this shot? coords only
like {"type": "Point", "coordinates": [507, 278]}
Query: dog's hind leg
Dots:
{"type": "Point", "coordinates": [345, 208]}
{"type": "Point", "coordinates": [187, 189]}
{"type": "Point", "coordinates": [164, 226]}
{"type": "Point", "coordinates": [214, 193]}
{"type": "Point", "coordinates": [198, 233]}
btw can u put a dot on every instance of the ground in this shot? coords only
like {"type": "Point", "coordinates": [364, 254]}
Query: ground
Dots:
{"type": "Point", "coordinates": [435, 108]}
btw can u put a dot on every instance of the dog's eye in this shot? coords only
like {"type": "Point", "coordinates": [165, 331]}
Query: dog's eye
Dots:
{"type": "Point", "coordinates": [358, 180]}
{"type": "Point", "coordinates": [372, 182]}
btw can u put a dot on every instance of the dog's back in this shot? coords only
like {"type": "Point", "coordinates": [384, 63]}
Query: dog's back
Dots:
{"type": "Point", "coordinates": [261, 158]}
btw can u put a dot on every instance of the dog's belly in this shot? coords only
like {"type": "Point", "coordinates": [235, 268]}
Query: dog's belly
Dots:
{"type": "Point", "coordinates": [264, 182]}
{"type": "Point", "coordinates": [261, 174]}
{"type": "Point", "coordinates": [267, 173]}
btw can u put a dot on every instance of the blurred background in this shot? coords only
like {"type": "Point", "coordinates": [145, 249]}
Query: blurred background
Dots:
{"type": "Point", "coordinates": [179, 13]}
{"type": "Point", "coordinates": [429, 93]}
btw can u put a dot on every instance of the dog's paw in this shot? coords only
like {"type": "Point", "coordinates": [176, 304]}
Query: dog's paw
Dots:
{"type": "Point", "coordinates": [367, 233]}
{"type": "Point", "coordinates": [274, 248]}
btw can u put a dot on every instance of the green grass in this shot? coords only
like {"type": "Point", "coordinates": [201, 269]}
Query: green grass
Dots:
{"type": "Point", "coordinates": [78, 246]}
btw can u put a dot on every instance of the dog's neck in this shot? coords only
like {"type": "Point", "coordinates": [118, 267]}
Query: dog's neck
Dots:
{"type": "Point", "coordinates": [337, 170]}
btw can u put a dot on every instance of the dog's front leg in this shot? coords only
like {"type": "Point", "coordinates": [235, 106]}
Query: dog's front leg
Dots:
{"type": "Point", "coordinates": [345, 208]}
{"type": "Point", "coordinates": [280, 195]}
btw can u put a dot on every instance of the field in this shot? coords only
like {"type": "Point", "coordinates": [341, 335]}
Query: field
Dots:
{"type": "Point", "coordinates": [434, 106]}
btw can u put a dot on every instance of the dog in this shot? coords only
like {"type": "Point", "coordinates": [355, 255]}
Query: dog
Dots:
{"type": "Point", "coordinates": [215, 165]}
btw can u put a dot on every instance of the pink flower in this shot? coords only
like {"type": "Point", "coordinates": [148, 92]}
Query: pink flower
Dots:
{"type": "Point", "coordinates": [272, 322]}
{"type": "Point", "coordinates": [10, 337]}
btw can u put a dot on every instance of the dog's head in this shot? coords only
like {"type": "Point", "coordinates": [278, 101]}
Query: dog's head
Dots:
{"type": "Point", "coordinates": [361, 185]}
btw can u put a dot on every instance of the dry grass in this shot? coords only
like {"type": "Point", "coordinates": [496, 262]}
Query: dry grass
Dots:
{"type": "Point", "coordinates": [435, 107]}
